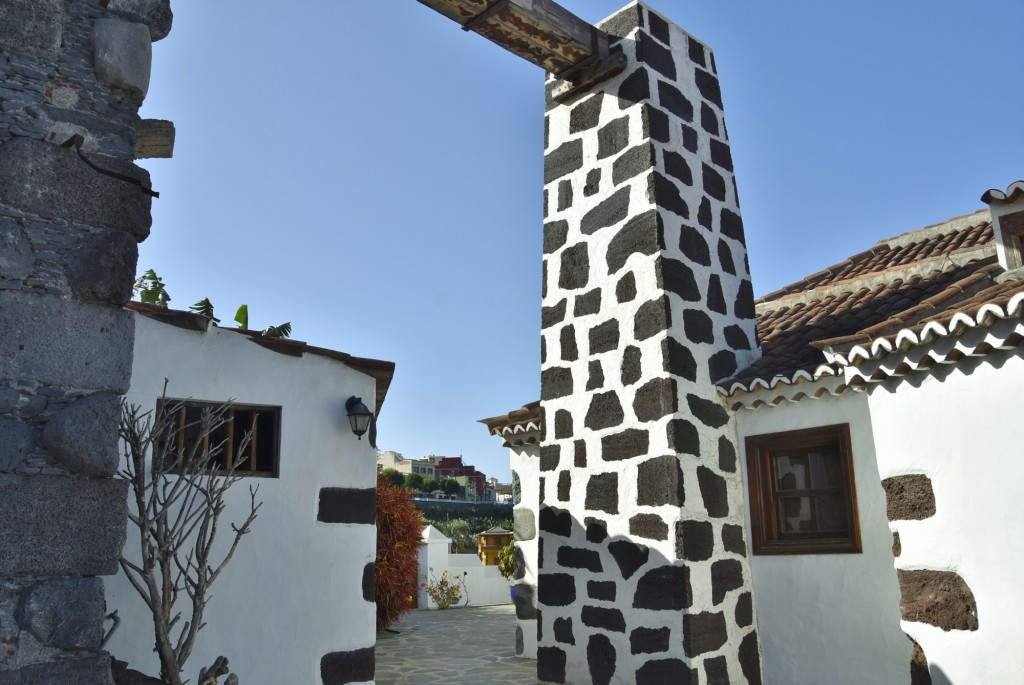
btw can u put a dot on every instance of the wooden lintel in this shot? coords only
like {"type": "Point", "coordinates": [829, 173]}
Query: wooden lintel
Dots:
{"type": "Point", "coordinates": [156, 139]}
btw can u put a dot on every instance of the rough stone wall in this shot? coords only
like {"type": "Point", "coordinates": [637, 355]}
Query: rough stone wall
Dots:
{"type": "Point", "coordinates": [73, 207]}
{"type": "Point", "coordinates": [647, 303]}
{"type": "Point", "coordinates": [525, 480]}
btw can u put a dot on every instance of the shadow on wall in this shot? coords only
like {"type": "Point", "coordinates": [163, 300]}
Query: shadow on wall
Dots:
{"type": "Point", "coordinates": [939, 676]}
{"type": "Point", "coordinates": [617, 606]}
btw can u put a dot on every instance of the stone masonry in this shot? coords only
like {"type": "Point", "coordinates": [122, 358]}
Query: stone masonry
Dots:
{"type": "Point", "coordinates": [647, 302]}
{"type": "Point", "coordinates": [73, 208]}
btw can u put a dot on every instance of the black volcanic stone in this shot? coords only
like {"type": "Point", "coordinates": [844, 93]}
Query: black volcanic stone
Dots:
{"type": "Point", "coordinates": [549, 457]}
{"type": "Point", "coordinates": [705, 217]}
{"type": "Point", "coordinates": [593, 183]}
{"type": "Point", "coordinates": [603, 493]}
{"type": "Point", "coordinates": [574, 272]}
{"type": "Point", "coordinates": [563, 160]}
{"type": "Point", "coordinates": [555, 234]}
{"type": "Point", "coordinates": [587, 303]}
{"type": "Point", "coordinates": [714, 184]}
{"type": "Point", "coordinates": [601, 590]}
{"type": "Point", "coordinates": [605, 411]}
{"type": "Point", "coordinates": [655, 124]}
{"type": "Point", "coordinates": [750, 659]}
{"type": "Point", "coordinates": [716, 299]}
{"type": "Point", "coordinates": [744, 610]}
{"type": "Point", "coordinates": [545, 210]}
{"type": "Point", "coordinates": [676, 166]}
{"type": "Point", "coordinates": [674, 101]}
{"type": "Point", "coordinates": [550, 664]}
{"type": "Point", "coordinates": [649, 640]}
{"type": "Point", "coordinates": [520, 641]}
{"type": "Point", "coordinates": [629, 556]}
{"type": "Point", "coordinates": [633, 162]}
{"type": "Point", "coordinates": [336, 668]}
{"type": "Point", "coordinates": [666, 588]}
{"type": "Point", "coordinates": [658, 57]}
{"type": "Point", "coordinates": [586, 114]}
{"type": "Point", "coordinates": [564, 195]}
{"type": "Point", "coordinates": [655, 398]}
{"type": "Point", "coordinates": [549, 316]}
{"type": "Point", "coordinates": [555, 381]}
{"type": "Point", "coordinates": [677, 278]}
{"type": "Point", "coordinates": [651, 319]}
{"type": "Point", "coordinates": [725, 258]}
{"type": "Point", "coordinates": [659, 27]}
{"type": "Point", "coordinates": [726, 455]}
{"type": "Point", "coordinates": [667, 196]}
{"type": "Point", "coordinates": [369, 581]}
{"type": "Point", "coordinates": [625, 289]}
{"type": "Point", "coordinates": [693, 245]}
{"type": "Point", "coordinates": [540, 496]}
{"type": "Point", "coordinates": [544, 283]}
{"type": "Point", "coordinates": [579, 454]}
{"type": "Point", "coordinates": [547, 131]}
{"type": "Point", "coordinates": [604, 337]}
{"type": "Point", "coordinates": [695, 540]}
{"type": "Point", "coordinates": [665, 671]}
{"type": "Point", "coordinates": [714, 491]}
{"type": "Point", "coordinates": [631, 369]}
{"type": "Point", "coordinates": [660, 482]}
{"type": "Point", "coordinates": [696, 51]}
{"type": "Point", "coordinates": [709, 412]}
{"type": "Point", "coordinates": [690, 138]}
{"type": "Point", "coordinates": [744, 306]}
{"type": "Point", "coordinates": [602, 617]}
{"type": "Point", "coordinates": [732, 225]}
{"type": "Point", "coordinates": [556, 589]}
{"type": "Point", "coordinates": [574, 557]}
{"type": "Point", "coordinates": [609, 212]}
{"type": "Point", "coordinates": [623, 23]}
{"type": "Point", "coordinates": [698, 326]}
{"type": "Point", "coordinates": [678, 359]}
{"type": "Point", "coordinates": [613, 137]}
{"type": "Point", "coordinates": [526, 607]}
{"type": "Point", "coordinates": [597, 530]}
{"type": "Point", "coordinates": [721, 156]}
{"type": "Point", "coordinates": [716, 671]}
{"type": "Point", "coordinates": [600, 657]}
{"type": "Point", "coordinates": [632, 442]}
{"type": "Point", "coordinates": [721, 365]}
{"type": "Point", "coordinates": [708, 86]}
{"type": "Point", "coordinates": [595, 379]}
{"type": "Point", "coordinates": [517, 489]}
{"type": "Point", "coordinates": [736, 338]}
{"type": "Point", "coordinates": [708, 119]}
{"type": "Point", "coordinates": [726, 576]}
{"type": "Point", "coordinates": [564, 486]}
{"type": "Point", "coordinates": [634, 88]}
{"type": "Point", "coordinates": [683, 437]}
{"type": "Point", "coordinates": [643, 234]}
{"type": "Point", "coordinates": [567, 341]}
{"type": "Point", "coordinates": [556, 521]}
{"type": "Point", "coordinates": [520, 562]}
{"type": "Point", "coordinates": [649, 526]}
{"type": "Point", "coordinates": [704, 632]}
{"type": "Point", "coordinates": [563, 631]}
{"type": "Point", "coordinates": [347, 505]}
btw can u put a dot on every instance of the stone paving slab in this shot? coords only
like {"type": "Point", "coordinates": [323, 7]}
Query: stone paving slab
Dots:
{"type": "Point", "coordinates": [463, 646]}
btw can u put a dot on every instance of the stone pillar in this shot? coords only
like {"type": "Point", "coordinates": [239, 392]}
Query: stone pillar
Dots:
{"type": "Point", "coordinates": [647, 303]}
{"type": "Point", "coordinates": [73, 207]}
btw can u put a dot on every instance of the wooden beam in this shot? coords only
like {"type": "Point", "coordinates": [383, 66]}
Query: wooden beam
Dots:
{"type": "Point", "coordinates": [156, 139]}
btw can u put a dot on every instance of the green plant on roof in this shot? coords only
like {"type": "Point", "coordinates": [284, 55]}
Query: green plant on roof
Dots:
{"type": "Point", "coordinates": [151, 289]}
{"type": "Point", "coordinates": [205, 308]}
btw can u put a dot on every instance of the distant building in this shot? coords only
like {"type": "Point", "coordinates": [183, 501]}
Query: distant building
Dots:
{"type": "Point", "coordinates": [452, 467]}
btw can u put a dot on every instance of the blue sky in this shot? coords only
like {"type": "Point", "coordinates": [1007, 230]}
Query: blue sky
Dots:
{"type": "Point", "coordinates": [372, 174]}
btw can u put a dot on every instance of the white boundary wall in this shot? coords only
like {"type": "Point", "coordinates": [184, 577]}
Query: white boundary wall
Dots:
{"type": "Point", "coordinates": [485, 584]}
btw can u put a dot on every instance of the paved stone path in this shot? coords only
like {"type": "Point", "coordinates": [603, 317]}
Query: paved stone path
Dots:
{"type": "Point", "coordinates": [465, 646]}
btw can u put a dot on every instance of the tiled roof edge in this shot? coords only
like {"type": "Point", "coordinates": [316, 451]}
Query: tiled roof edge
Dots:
{"type": "Point", "coordinates": [826, 385]}
{"type": "Point", "coordinates": [731, 388]}
{"type": "Point", "coordinates": [995, 196]}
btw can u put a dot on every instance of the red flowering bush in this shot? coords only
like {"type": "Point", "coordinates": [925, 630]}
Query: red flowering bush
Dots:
{"type": "Point", "coordinates": [399, 531]}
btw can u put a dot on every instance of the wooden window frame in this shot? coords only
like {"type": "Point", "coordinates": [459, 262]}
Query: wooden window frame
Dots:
{"type": "Point", "coordinates": [766, 537]}
{"type": "Point", "coordinates": [249, 467]}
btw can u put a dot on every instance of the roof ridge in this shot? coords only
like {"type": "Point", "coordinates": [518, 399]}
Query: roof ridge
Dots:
{"type": "Point", "coordinates": [954, 225]}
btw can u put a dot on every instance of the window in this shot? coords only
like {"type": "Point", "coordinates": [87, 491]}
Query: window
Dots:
{"type": "Point", "coordinates": [247, 437]}
{"type": "Point", "coordinates": [802, 497]}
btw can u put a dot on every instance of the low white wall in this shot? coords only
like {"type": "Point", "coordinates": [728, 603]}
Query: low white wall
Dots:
{"type": "Point", "coordinates": [962, 428]}
{"type": "Point", "coordinates": [830, 618]}
{"type": "Point", "coordinates": [293, 591]}
{"type": "Point", "coordinates": [484, 583]}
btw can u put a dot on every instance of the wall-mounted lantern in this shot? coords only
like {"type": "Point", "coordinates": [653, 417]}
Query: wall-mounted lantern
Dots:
{"type": "Point", "coordinates": [359, 417]}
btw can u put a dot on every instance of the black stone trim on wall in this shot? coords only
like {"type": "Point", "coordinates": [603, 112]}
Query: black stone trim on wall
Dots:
{"type": "Point", "coordinates": [348, 505]}
{"type": "Point", "coordinates": [356, 666]}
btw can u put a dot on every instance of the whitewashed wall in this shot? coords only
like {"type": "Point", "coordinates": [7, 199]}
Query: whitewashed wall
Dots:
{"type": "Point", "coordinates": [830, 618]}
{"type": "Point", "coordinates": [485, 584]}
{"type": "Point", "coordinates": [293, 591]}
{"type": "Point", "coordinates": [525, 463]}
{"type": "Point", "coordinates": [962, 427]}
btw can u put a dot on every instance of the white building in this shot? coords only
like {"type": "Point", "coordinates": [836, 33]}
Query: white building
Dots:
{"type": "Point", "coordinates": [295, 604]}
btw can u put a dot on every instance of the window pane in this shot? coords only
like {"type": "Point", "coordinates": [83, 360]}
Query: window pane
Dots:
{"type": "Point", "coordinates": [795, 515]}
{"type": "Point", "coordinates": [831, 510]}
{"type": "Point", "coordinates": [826, 467]}
{"type": "Point", "coordinates": [791, 472]}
